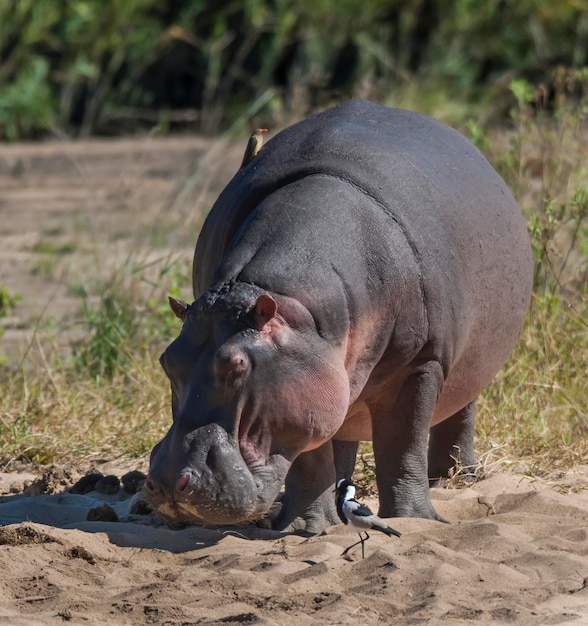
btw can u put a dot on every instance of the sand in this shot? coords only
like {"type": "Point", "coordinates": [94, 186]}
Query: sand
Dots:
{"type": "Point", "coordinates": [515, 552]}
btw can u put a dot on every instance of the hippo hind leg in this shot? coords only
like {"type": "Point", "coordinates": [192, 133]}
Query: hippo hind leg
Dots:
{"type": "Point", "coordinates": [451, 447]}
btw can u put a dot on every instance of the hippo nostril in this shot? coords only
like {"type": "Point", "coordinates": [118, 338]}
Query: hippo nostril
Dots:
{"type": "Point", "coordinates": [183, 482]}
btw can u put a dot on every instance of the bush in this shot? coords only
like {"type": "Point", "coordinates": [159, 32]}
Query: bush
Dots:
{"type": "Point", "coordinates": [109, 66]}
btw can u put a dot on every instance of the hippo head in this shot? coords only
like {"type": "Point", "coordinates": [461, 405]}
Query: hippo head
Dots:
{"type": "Point", "coordinates": [253, 385]}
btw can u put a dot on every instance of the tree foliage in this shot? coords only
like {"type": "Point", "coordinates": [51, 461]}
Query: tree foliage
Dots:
{"type": "Point", "coordinates": [86, 66]}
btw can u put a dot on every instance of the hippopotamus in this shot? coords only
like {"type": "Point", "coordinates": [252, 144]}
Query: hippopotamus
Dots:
{"type": "Point", "coordinates": [363, 277]}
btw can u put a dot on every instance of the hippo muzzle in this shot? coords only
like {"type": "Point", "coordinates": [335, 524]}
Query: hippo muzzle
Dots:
{"type": "Point", "coordinates": [210, 482]}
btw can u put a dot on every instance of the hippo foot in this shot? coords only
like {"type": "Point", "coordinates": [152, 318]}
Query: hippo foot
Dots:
{"type": "Point", "coordinates": [308, 504]}
{"type": "Point", "coordinates": [426, 511]}
{"type": "Point", "coordinates": [316, 517]}
{"type": "Point", "coordinates": [407, 498]}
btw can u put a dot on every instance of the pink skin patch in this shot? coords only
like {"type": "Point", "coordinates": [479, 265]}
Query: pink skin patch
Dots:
{"type": "Point", "coordinates": [296, 397]}
{"type": "Point", "coordinates": [357, 425]}
{"type": "Point", "coordinates": [290, 413]}
{"type": "Point", "coordinates": [183, 482]}
{"type": "Point", "coordinates": [300, 415]}
{"type": "Point", "coordinates": [254, 440]}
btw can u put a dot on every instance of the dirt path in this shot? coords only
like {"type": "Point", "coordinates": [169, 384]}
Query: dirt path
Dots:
{"type": "Point", "coordinates": [72, 211]}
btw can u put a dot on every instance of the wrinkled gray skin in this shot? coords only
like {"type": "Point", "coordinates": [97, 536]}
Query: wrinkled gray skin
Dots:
{"type": "Point", "coordinates": [363, 278]}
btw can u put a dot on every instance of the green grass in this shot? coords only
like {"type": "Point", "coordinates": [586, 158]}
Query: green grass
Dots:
{"type": "Point", "coordinates": [8, 300]}
{"type": "Point", "coordinates": [50, 248]}
{"type": "Point", "coordinates": [107, 396]}
{"type": "Point", "coordinates": [535, 412]}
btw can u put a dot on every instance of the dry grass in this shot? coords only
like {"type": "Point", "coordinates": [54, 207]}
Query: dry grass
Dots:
{"type": "Point", "coordinates": [536, 412]}
{"type": "Point", "coordinates": [53, 412]}
{"type": "Point", "coordinates": [533, 418]}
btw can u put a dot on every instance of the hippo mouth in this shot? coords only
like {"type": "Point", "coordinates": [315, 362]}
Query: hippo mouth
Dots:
{"type": "Point", "coordinates": [194, 505]}
{"type": "Point", "coordinates": [216, 485]}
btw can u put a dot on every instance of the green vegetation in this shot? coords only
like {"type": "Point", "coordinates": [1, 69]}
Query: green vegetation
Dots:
{"type": "Point", "coordinates": [536, 413]}
{"type": "Point", "coordinates": [109, 396]}
{"type": "Point", "coordinates": [8, 300]}
{"type": "Point", "coordinates": [109, 66]}
{"type": "Point", "coordinates": [130, 314]}
{"type": "Point", "coordinates": [45, 247]}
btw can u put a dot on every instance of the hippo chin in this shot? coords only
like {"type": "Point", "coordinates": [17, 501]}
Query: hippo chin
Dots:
{"type": "Point", "coordinates": [363, 277]}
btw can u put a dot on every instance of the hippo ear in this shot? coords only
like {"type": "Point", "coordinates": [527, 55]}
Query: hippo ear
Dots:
{"type": "Point", "coordinates": [265, 309]}
{"type": "Point", "coordinates": [178, 307]}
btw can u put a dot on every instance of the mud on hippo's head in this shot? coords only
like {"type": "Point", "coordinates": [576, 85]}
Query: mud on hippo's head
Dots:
{"type": "Point", "coordinates": [253, 385]}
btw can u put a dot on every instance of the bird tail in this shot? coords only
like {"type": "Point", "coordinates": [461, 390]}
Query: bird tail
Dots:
{"type": "Point", "coordinates": [380, 524]}
{"type": "Point", "coordinates": [390, 531]}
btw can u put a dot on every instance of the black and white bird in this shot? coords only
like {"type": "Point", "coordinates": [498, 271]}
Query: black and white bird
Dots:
{"type": "Point", "coordinates": [353, 513]}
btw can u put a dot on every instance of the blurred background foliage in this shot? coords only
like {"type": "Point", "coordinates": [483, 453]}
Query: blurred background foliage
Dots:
{"type": "Point", "coordinates": [83, 67]}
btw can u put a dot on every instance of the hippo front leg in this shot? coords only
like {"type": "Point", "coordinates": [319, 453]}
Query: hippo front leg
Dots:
{"type": "Point", "coordinates": [345, 454]}
{"type": "Point", "coordinates": [400, 436]}
{"type": "Point", "coordinates": [308, 504]}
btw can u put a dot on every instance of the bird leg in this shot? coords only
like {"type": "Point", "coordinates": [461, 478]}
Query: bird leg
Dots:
{"type": "Point", "coordinates": [362, 540]}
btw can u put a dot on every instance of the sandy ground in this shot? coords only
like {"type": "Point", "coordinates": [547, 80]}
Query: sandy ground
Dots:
{"type": "Point", "coordinates": [516, 551]}
{"type": "Point", "coordinates": [72, 213]}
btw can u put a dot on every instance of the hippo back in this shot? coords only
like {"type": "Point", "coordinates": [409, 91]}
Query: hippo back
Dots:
{"type": "Point", "coordinates": [409, 163]}
{"type": "Point", "coordinates": [457, 215]}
